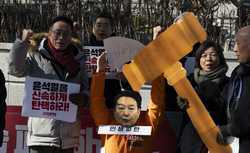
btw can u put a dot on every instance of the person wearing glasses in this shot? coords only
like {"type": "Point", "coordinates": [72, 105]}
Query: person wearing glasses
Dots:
{"type": "Point", "coordinates": [56, 58]}
{"type": "Point", "coordinates": [209, 79]}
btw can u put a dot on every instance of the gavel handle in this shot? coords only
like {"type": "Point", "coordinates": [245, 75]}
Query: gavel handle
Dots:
{"type": "Point", "coordinates": [197, 112]}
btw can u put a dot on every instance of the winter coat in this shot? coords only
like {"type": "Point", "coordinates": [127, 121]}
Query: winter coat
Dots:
{"type": "Point", "coordinates": [239, 113]}
{"type": "Point", "coordinates": [209, 89]}
{"type": "Point", "coordinates": [40, 63]}
{"type": "Point", "coordinates": [3, 95]}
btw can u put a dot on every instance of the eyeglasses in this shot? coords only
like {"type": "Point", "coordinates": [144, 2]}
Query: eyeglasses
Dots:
{"type": "Point", "coordinates": [212, 55]}
{"type": "Point", "coordinates": [58, 33]}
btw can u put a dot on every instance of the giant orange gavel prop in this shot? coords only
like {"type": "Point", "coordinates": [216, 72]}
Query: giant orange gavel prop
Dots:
{"type": "Point", "coordinates": [162, 56]}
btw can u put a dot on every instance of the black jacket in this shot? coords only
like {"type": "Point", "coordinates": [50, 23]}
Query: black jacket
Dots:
{"type": "Point", "coordinates": [2, 100]}
{"type": "Point", "coordinates": [239, 120]}
{"type": "Point", "coordinates": [211, 95]}
{"type": "Point", "coordinates": [3, 95]}
{"type": "Point", "coordinates": [94, 42]}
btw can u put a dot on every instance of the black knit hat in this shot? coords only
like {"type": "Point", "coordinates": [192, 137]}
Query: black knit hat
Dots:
{"type": "Point", "coordinates": [133, 94]}
{"type": "Point", "coordinates": [63, 19]}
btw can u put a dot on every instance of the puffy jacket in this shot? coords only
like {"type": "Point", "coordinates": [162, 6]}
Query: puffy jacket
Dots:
{"type": "Point", "coordinates": [39, 63]}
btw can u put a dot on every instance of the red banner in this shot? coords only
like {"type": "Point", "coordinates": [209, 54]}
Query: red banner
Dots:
{"type": "Point", "coordinates": [16, 131]}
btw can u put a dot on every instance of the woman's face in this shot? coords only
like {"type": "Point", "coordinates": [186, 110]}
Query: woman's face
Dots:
{"type": "Point", "coordinates": [209, 60]}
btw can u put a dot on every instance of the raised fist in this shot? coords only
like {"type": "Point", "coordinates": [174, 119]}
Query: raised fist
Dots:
{"type": "Point", "coordinates": [27, 34]}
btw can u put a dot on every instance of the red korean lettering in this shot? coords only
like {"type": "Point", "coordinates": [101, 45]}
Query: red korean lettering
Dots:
{"type": "Point", "coordinates": [45, 95]}
{"type": "Point", "coordinates": [45, 105]}
{"type": "Point", "coordinates": [66, 107]}
{"type": "Point", "coordinates": [36, 95]}
{"type": "Point", "coordinates": [59, 106]}
{"type": "Point", "coordinates": [36, 105]}
{"type": "Point", "coordinates": [52, 106]}
{"type": "Point", "coordinates": [52, 96]}
{"type": "Point", "coordinates": [63, 96]}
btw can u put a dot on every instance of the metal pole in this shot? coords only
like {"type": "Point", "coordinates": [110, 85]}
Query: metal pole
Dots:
{"type": "Point", "coordinates": [57, 7]}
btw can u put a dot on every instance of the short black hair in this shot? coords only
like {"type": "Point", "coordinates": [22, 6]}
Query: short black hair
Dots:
{"type": "Point", "coordinates": [204, 46]}
{"type": "Point", "coordinates": [104, 14]}
{"type": "Point", "coordinates": [63, 19]}
{"type": "Point", "coordinates": [128, 93]}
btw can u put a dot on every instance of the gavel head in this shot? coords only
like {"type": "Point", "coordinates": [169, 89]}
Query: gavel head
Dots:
{"type": "Point", "coordinates": [163, 52]}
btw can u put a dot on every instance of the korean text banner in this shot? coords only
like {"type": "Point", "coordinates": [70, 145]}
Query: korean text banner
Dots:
{"type": "Point", "coordinates": [49, 99]}
{"type": "Point", "coordinates": [92, 53]}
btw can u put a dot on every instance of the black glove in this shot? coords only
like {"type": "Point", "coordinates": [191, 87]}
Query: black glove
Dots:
{"type": "Point", "coordinates": [79, 99]}
{"type": "Point", "coordinates": [224, 135]}
{"type": "Point", "coordinates": [182, 103]}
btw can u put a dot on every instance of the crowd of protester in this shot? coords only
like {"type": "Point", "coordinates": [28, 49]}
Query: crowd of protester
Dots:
{"type": "Point", "coordinates": [59, 58]}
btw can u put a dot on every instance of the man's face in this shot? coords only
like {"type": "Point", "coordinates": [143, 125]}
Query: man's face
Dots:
{"type": "Point", "coordinates": [126, 111]}
{"type": "Point", "coordinates": [102, 28]}
{"type": "Point", "coordinates": [60, 35]}
{"type": "Point", "coordinates": [242, 49]}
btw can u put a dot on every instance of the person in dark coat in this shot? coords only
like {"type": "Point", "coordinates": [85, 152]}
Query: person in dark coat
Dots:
{"type": "Point", "coordinates": [208, 80]}
{"type": "Point", "coordinates": [3, 95]}
{"type": "Point", "coordinates": [102, 29]}
{"type": "Point", "coordinates": [237, 96]}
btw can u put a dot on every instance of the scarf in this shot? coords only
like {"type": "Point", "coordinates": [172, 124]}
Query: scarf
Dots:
{"type": "Point", "coordinates": [217, 75]}
{"type": "Point", "coordinates": [65, 58]}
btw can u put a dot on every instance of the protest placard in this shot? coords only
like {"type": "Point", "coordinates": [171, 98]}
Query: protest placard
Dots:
{"type": "Point", "coordinates": [92, 53]}
{"type": "Point", "coordinates": [49, 99]}
{"type": "Point", "coordinates": [121, 50]}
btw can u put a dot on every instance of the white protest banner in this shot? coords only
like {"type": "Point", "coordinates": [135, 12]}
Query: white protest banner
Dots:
{"type": "Point", "coordinates": [124, 130]}
{"type": "Point", "coordinates": [49, 99]}
{"type": "Point", "coordinates": [121, 50]}
{"type": "Point", "coordinates": [92, 53]}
